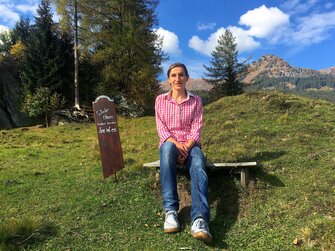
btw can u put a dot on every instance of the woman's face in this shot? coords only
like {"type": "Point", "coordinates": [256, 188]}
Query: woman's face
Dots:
{"type": "Point", "coordinates": [178, 78]}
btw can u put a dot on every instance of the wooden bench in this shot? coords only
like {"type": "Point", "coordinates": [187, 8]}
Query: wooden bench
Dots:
{"type": "Point", "coordinates": [239, 167]}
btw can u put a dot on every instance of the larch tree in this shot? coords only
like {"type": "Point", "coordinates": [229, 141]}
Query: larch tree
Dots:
{"type": "Point", "coordinates": [68, 10]}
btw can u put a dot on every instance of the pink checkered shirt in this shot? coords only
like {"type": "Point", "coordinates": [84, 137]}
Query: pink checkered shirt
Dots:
{"type": "Point", "coordinates": [180, 121]}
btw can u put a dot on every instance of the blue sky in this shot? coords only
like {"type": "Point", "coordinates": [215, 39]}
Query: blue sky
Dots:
{"type": "Point", "coordinates": [300, 32]}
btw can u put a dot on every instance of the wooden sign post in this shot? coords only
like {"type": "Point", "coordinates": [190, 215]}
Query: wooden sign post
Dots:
{"type": "Point", "coordinates": [108, 135]}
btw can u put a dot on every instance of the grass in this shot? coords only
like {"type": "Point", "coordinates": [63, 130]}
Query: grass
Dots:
{"type": "Point", "coordinates": [53, 196]}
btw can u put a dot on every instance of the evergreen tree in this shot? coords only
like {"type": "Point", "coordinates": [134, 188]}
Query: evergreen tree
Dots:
{"type": "Point", "coordinates": [46, 58]}
{"type": "Point", "coordinates": [20, 36]}
{"type": "Point", "coordinates": [123, 44]}
{"type": "Point", "coordinates": [21, 31]}
{"type": "Point", "coordinates": [225, 70]}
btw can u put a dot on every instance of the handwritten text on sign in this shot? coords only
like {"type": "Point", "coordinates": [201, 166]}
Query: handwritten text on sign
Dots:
{"type": "Point", "coordinates": [109, 124]}
{"type": "Point", "coordinates": [108, 135]}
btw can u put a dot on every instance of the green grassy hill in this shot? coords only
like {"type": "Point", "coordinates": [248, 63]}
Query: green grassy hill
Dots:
{"type": "Point", "coordinates": [53, 196]}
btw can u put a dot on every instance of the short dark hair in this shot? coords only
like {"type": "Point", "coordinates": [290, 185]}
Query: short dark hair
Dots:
{"type": "Point", "coordinates": [177, 65]}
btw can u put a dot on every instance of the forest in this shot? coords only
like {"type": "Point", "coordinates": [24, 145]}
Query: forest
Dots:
{"type": "Point", "coordinates": [96, 48]}
{"type": "Point", "coordinates": [321, 87]}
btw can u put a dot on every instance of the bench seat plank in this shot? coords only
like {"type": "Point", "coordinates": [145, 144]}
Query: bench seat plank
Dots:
{"type": "Point", "coordinates": [241, 167]}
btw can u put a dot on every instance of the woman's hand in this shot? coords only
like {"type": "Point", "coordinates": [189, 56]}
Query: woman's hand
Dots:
{"type": "Point", "coordinates": [183, 151]}
{"type": "Point", "coordinates": [181, 158]}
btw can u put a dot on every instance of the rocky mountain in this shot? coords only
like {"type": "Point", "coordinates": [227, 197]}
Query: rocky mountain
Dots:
{"type": "Point", "coordinates": [193, 84]}
{"type": "Point", "coordinates": [330, 70]}
{"type": "Point", "coordinates": [271, 66]}
{"type": "Point", "coordinates": [273, 73]}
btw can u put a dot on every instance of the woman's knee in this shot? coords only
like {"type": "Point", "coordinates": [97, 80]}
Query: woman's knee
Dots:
{"type": "Point", "coordinates": [196, 154]}
{"type": "Point", "coordinates": [168, 150]}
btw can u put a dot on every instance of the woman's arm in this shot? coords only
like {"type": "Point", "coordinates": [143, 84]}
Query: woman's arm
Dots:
{"type": "Point", "coordinates": [162, 130]}
{"type": "Point", "coordinates": [196, 125]}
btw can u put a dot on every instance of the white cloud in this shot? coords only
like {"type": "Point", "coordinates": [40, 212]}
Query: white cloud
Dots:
{"type": "Point", "coordinates": [309, 24]}
{"type": "Point", "coordinates": [208, 26]}
{"type": "Point", "coordinates": [313, 29]}
{"type": "Point", "coordinates": [264, 21]}
{"type": "Point", "coordinates": [170, 41]}
{"type": "Point", "coordinates": [200, 45]}
{"type": "Point", "coordinates": [3, 28]}
{"type": "Point", "coordinates": [27, 8]}
{"type": "Point", "coordinates": [272, 26]}
{"type": "Point", "coordinates": [298, 6]}
{"type": "Point", "coordinates": [244, 41]}
{"type": "Point", "coordinates": [8, 16]}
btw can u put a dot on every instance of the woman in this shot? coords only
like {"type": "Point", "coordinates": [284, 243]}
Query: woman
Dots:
{"type": "Point", "coordinates": [179, 125]}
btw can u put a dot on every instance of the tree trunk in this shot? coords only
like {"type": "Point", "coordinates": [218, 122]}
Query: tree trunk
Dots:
{"type": "Point", "coordinates": [76, 58]}
{"type": "Point", "coordinates": [46, 120]}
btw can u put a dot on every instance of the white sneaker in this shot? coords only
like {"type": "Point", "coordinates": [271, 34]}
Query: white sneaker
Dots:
{"type": "Point", "coordinates": [171, 224]}
{"type": "Point", "coordinates": [200, 230]}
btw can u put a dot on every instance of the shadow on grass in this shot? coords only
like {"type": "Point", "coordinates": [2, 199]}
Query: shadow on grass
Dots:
{"type": "Point", "coordinates": [225, 196]}
{"type": "Point", "coordinates": [25, 234]}
{"type": "Point", "coordinates": [224, 201]}
{"type": "Point", "coordinates": [260, 173]}
{"type": "Point", "coordinates": [265, 156]}
{"type": "Point", "coordinates": [267, 178]}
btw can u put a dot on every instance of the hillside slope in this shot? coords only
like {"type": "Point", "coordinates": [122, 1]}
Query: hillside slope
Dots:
{"type": "Point", "coordinates": [52, 179]}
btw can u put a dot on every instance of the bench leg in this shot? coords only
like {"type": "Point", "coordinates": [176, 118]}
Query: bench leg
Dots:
{"type": "Point", "coordinates": [244, 177]}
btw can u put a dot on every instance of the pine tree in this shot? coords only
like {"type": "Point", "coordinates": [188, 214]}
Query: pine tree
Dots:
{"type": "Point", "coordinates": [21, 31]}
{"type": "Point", "coordinates": [225, 69]}
{"type": "Point", "coordinates": [124, 45]}
{"type": "Point", "coordinates": [45, 62]}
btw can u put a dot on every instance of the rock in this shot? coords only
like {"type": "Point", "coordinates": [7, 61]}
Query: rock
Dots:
{"type": "Point", "coordinates": [71, 115]}
{"type": "Point", "coordinates": [10, 91]}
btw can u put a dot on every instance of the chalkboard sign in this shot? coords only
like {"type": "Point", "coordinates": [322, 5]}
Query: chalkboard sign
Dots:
{"type": "Point", "coordinates": [108, 135]}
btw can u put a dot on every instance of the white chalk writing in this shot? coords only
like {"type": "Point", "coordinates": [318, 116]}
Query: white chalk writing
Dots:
{"type": "Point", "coordinates": [101, 112]}
{"type": "Point", "coordinates": [107, 130]}
{"type": "Point", "coordinates": [105, 117]}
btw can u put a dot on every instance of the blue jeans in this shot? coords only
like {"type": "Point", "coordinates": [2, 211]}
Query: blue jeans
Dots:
{"type": "Point", "coordinates": [195, 164]}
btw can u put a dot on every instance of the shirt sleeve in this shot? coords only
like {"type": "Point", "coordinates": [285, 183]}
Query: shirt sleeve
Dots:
{"type": "Point", "coordinates": [196, 126]}
{"type": "Point", "coordinates": [162, 130]}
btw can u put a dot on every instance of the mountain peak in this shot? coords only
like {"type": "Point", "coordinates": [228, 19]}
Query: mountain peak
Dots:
{"type": "Point", "coordinates": [271, 66]}
{"type": "Point", "coordinates": [270, 57]}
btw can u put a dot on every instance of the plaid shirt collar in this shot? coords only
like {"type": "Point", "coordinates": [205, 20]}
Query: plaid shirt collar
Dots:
{"type": "Point", "coordinates": [169, 94]}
